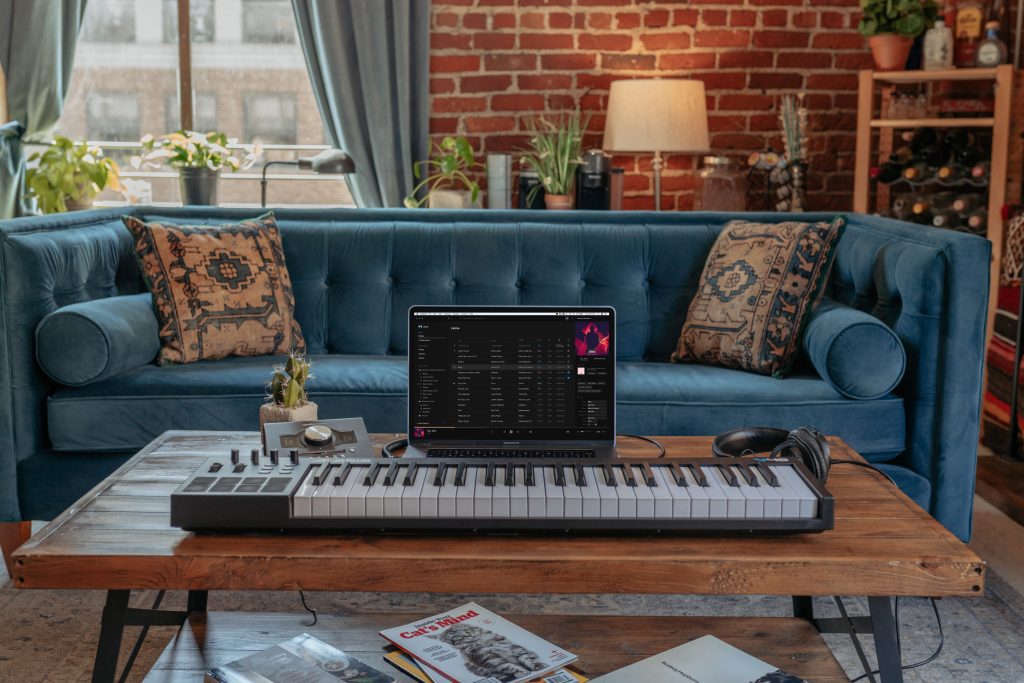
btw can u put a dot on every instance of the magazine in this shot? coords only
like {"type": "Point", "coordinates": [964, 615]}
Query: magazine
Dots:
{"type": "Point", "coordinates": [303, 659]}
{"type": "Point", "coordinates": [705, 660]}
{"type": "Point", "coordinates": [470, 644]}
{"type": "Point", "coordinates": [409, 666]}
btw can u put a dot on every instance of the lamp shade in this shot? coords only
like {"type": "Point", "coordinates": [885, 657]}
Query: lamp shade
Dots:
{"type": "Point", "coordinates": [656, 115]}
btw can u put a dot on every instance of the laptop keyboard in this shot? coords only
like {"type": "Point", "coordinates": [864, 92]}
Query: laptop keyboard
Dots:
{"type": "Point", "coordinates": [509, 453]}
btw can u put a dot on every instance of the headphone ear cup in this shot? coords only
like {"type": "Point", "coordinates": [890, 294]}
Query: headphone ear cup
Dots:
{"type": "Point", "coordinates": [813, 451]}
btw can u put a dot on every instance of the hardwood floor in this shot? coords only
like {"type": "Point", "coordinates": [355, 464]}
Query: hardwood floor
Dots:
{"type": "Point", "coordinates": [1001, 483]}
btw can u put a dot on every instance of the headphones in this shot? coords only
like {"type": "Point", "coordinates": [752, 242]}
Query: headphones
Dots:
{"type": "Point", "coordinates": [805, 444]}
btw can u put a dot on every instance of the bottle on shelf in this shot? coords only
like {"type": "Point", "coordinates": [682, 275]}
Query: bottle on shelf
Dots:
{"type": "Point", "coordinates": [958, 138]}
{"type": "Point", "coordinates": [952, 172]}
{"type": "Point", "coordinates": [922, 139]}
{"type": "Point", "coordinates": [946, 219]}
{"type": "Point", "coordinates": [970, 18]}
{"type": "Point", "coordinates": [888, 173]}
{"type": "Point", "coordinates": [970, 155]}
{"type": "Point", "coordinates": [936, 155]}
{"type": "Point", "coordinates": [916, 172]}
{"type": "Point", "coordinates": [991, 50]}
{"type": "Point", "coordinates": [977, 221]}
{"type": "Point", "coordinates": [938, 47]}
{"type": "Point", "coordinates": [922, 210]}
{"type": "Point", "coordinates": [980, 172]}
{"type": "Point", "coordinates": [902, 207]}
{"type": "Point", "coordinates": [967, 203]}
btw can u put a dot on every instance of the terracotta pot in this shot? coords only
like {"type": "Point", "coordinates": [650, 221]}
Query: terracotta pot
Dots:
{"type": "Point", "coordinates": [558, 202]}
{"type": "Point", "coordinates": [890, 51]}
{"type": "Point", "coordinates": [198, 186]}
{"type": "Point", "coordinates": [275, 413]}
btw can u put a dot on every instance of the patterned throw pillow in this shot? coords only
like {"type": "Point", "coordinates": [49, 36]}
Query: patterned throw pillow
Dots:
{"type": "Point", "coordinates": [218, 290]}
{"type": "Point", "coordinates": [759, 286]}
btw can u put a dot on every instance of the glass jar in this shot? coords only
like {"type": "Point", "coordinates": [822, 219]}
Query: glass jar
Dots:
{"type": "Point", "coordinates": [721, 186]}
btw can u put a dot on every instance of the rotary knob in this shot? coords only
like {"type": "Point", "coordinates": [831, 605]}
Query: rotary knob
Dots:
{"type": "Point", "coordinates": [317, 435]}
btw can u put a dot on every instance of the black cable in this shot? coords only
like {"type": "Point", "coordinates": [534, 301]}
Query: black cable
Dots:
{"type": "Point", "coordinates": [656, 443]}
{"type": "Point", "coordinates": [138, 642]}
{"type": "Point", "coordinates": [302, 597]}
{"type": "Point", "coordinates": [866, 465]}
{"type": "Point", "coordinates": [923, 662]}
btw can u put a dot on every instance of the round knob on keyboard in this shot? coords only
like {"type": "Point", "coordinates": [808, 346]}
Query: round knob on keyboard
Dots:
{"type": "Point", "coordinates": [294, 455]}
{"type": "Point", "coordinates": [317, 435]}
{"type": "Point", "coordinates": [234, 456]}
{"type": "Point", "coordinates": [273, 456]}
{"type": "Point", "coordinates": [255, 455]}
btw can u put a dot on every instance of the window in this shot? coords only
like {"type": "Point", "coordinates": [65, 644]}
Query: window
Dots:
{"type": "Point", "coordinates": [202, 27]}
{"type": "Point", "coordinates": [112, 21]}
{"type": "Point", "coordinates": [205, 105]}
{"type": "Point", "coordinates": [270, 118]}
{"type": "Point", "coordinates": [112, 116]}
{"type": "Point", "coordinates": [268, 21]}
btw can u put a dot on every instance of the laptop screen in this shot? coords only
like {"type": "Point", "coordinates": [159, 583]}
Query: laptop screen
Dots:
{"type": "Point", "coordinates": [511, 374]}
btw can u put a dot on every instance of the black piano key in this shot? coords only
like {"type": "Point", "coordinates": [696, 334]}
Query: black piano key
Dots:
{"type": "Point", "coordinates": [342, 475]}
{"type": "Point", "coordinates": [510, 476]}
{"type": "Point", "coordinates": [698, 474]}
{"type": "Point", "coordinates": [371, 476]}
{"type": "Point", "coordinates": [609, 475]}
{"type": "Point", "coordinates": [748, 475]}
{"type": "Point", "coordinates": [730, 475]}
{"type": "Point", "coordinates": [530, 480]}
{"type": "Point", "coordinates": [410, 474]}
{"type": "Point", "coordinates": [627, 474]}
{"type": "Point", "coordinates": [460, 474]}
{"type": "Point", "coordinates": [648, 474]}
{"type": "Point", "coordinates": [677, 474]}
{"type": "Point", "coordinates": [768, 474]}
{"type": "Point", "coordinates": [389, 478]}
{"type": "Point", "coordinates": [439, 474]}
{"type": "Point", "coordinates": [581, 476]}
{"type": "Point", "coordinates": [324, 475]}
{"type": "Point", "coordinates": [559, 475]}
{"type": "Point", "coordinates": [489, 475]}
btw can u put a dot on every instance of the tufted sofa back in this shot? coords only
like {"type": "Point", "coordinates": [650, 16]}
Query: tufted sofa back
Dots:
{"type": "Point", "coordinates": [355, 273]}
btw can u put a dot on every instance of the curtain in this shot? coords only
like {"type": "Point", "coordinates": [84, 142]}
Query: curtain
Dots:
{"type": "Point", "coordinates": [368, 61]}
{"type": "Point", "coordinates": [37, 49]}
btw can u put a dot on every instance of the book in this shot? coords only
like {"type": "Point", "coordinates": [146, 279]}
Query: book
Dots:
{"type": "Point", "coordinates": [303, 659]}
{"type": "Point", "coordinates": [470, 644]}
{"type": "Point", "coordinates": [704, 660]}
{"type": "Point", "coordinates": [409, 666]}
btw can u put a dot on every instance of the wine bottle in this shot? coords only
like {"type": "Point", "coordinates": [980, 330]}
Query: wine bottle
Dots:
{"type": "Point", "coordinates": [981, 172]}
{"type": "Point", "coordinates": [952, 172]}
{"type": "Point", "coordinates": [967, 203]}
{"type": "Point", "coordinates": [970, 155]}
{"type": "Point", "coordinates": [946, 219]}
{"type": "Point", "coordinates": [922, 211]}
{"type": "Point", "coordinates": [889, 172]}
{"type": "Point", "coordinates": [978, 221]}
{"type": "Point", "coordinates": [902, 206]}
{"type": "Point", "coordinates": [922, 139]}
{"type": "Point", "coordinates": [916, 172]}
{"type": "Point", "coordinates": [936, 155]}
{"type": "Point", "coordinates": [959, 138]}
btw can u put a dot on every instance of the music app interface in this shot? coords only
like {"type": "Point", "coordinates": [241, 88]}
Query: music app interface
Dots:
{"type": "Point", "coordinates": [513, 375]}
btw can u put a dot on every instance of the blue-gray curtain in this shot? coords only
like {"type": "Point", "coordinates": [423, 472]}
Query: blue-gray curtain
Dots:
{"type": "Point", "coordinates": [368, 61]}
{"type": "Point", "coordinates": [37, 50]}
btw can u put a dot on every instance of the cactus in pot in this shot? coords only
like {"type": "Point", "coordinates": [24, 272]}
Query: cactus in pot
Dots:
{"type": "Point", "coordinates": [287, 400]}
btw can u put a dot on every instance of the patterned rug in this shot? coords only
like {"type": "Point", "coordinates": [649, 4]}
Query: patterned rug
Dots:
{"type": "Point", "coordinates": [51, 635]}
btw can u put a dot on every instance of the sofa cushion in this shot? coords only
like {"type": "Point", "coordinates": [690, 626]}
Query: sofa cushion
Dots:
{"type": "Point", "coordinates": [653, 398]}
{"type": "Point", "coordinates": [218, 291]}
{"type": "Point", "coordinates": [759, 286]}
{"type": "Point", "coordinates": [92, 340]}
{"type": "Point", "coordinates": [855, 352]}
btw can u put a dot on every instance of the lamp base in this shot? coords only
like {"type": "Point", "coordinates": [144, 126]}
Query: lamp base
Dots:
{"type": "Point", "coordinates": [657, 165]}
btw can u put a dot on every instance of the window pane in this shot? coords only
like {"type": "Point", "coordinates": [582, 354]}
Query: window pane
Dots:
{"type": "Point", "coordinates": [270, 118]}
{"type": "Point", "coordinates": [112, 116]}
{"type": "Point", "coordinates": [112, 21]}
{"type": "Point", "coordinates": [204, 117]}
{"type": "Point", "coordinates": [268, 21]}
{"type": "Point", "coordinates": [203, 29]}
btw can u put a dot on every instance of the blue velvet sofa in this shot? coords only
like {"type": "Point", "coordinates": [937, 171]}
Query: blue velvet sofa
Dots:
{"type": "Point", "coordinates": [355, 273]}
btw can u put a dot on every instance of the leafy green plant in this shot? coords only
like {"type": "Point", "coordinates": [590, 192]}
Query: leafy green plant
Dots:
{"type": "Point", "coordinates": [447, 169]}
{"type": "Point", "coordinates": [288, 383]}
{"type": "Point", "coordinates": [902, 17]}
{"type": "Point", "coordinates": [554, 153]}
{"type": "Point", "coordinates": [189, 149]}
{"type": "Point", "coordinates": [69, 171]}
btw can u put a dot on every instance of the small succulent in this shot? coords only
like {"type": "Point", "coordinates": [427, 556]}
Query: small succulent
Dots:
{"type": "Point", "coordinates": [288, 384]}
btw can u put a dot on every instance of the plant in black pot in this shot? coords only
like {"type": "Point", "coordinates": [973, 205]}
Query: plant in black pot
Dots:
{"type": "Point", "coordinates": [198, 158]}
{"type": "Point", "coordinates": [891, 26]}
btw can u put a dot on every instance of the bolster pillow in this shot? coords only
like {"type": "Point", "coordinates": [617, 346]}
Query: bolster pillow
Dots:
{"type": "Point", "coordinates": [89, 341]}
{"type": "Point", "coordinates": [855, 352]}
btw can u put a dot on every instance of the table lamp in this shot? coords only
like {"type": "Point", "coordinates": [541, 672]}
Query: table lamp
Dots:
{"type": "Point", "coordinates": [327, 161]}
{"type": "Point", "coordinates": [657, 115]}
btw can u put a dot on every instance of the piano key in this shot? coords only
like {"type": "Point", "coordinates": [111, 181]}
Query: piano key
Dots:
{"type": "Point", "coordinates": [530, 478]}
{"type": "Point", "coordinates": [500, 504]}
{"type": "Point", "coordinates": [510, 480]}
{"type": "Point", "coordinates": [772, 500]}
{"type": "Point", "coordinates": [608, 473]}
{"type": "Point", "coordinates": [626, 493]}
{"type": "Point", "coordinates": [302, 501]}
{"type": "Point", "coordinates": [431, 489]}
{"type": "Point", "coordinates": [580, 474]}
{"type": "Point", "coordinates": [647, 474]}
{"type": "Point", "coordinates": [412, 490]}
{"type": "Point", "coordinates": [700, 502]}
{"type": "Point", "coordinates": [589, 495]}
{"type": "Point", "coordinates": [447, 494]}
{"type": "Point", "coordinates": [518, 495]}
{"type": "Point", "coordinates": [677, 474]}
{"type": "Point", "coordinates": [389, 478]}
{"type": "Point", "coordinates": [718, 507]}
{"type": "Point", "coordinates": [767, 473]}
{"type": "Point", "coordinates": [342, 476]}
{"type": "Point", "coordinates": [801, 491]}
{"type": "Point", "coordinates": [660, 493]}
{"type": "Point", "coordinates": [642, 491]}
{"type": "Point", "coordinates": [460, 474]}
{"type": "Point", "coordinates": [554, 504]}
{"type": "Point", "coordinates": [606, 493]}
{"type": "Point", "coordinates": [321, 503]}
{"type": "Point", "coordinates": [698, 475]}
{"type": "Point", "coordinates": [410, 474]}
{"type": "Point", "coordinates": [464, 499]}
{"type": "Point", "coordinates": [341, 491]}
{"type": "Point", "coordinates": [536, 493]}
{"type": "Point", "coordinates": [489, 476]}
{"type": "Point", "coordinates": [572, 495]}
{"type": "Point", "coordinates": [371, 476]}
{"type": "Point", "coordinates": [755, 501]}
{"type": "Point", "coordinates": [747, 475]}
{"type": "Point", "coordinates": [680, 504]}
{"type": "Point", "coordinates": [482, 491]}
{"type": "Point", "coordinates": [393, 492]}
{"type": "Point", "coordinates": [627, 471]}
{"type": "Point", "coordinates": [375, 495]}
{"type": "Point", "coordinates": [439, 474]}
{"type": "Point", "coordinates": [357, 494]}
{"type": "Point", "coordinates": [559, 475]}
{"type": "Point", "coordinates": [728, 473]}
{"type": "Point", "coordinates": [736, 504]}
{"type": "Point", "coordinates": [323, 475]}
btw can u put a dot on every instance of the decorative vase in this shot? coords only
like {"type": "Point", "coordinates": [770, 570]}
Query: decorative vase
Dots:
{"type": "Point", "coordinates": [451, 199]}
{"type": "Point", "coordinates": [890, 51]}
{"type": "Point", "coordinates": [78, 204]}
{"type": "Point", "coordinates": [198, 186]}
{"type": "Point", "coordinates": [558, 202]}
{"type": "Point", "coordinates": [270, 412]}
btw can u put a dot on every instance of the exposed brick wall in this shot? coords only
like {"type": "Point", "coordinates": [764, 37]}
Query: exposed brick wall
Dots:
{"type": "Point", "coordinates": [494, 63]}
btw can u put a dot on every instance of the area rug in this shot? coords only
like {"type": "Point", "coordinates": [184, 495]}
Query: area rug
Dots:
{"type": "Point", "coordinates": [51, 635]}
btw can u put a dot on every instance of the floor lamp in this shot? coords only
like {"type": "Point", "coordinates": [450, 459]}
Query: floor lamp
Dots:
{"type": "Point", "coordinates": [657, 115]}
{"type": "Point", "coordinates": [327, 161]}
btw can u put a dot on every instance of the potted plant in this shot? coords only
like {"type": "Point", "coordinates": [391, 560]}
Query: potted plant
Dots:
{"type": "Point", "coordinates": [448, 183]}
{"type": "Point", "coordinates": [554, 155]}
{"type": "Point", "coordinates": [287, 400]}
{"type": "Point", "coordinates": [198, 157]}
{"type": "Point", "coordinates": [69, 175]}
{"type": "Point", "coordinates": [891, 26]}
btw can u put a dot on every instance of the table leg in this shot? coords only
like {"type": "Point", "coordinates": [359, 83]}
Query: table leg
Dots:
{"type": "Point", "coordinates": [883, 627]}
{"type": "Point", "coordinates": [196, 601]}
{"type": "Point", "coordinates": [111, 629]}
{"type": "Point", "coordinates": [803, 607]}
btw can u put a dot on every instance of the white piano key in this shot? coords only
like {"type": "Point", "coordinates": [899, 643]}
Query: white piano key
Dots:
{"type": "Point", "coordinates": [393, 494]}
{"type": "Point", "coordinates": [411, 494]}
{"type": "Point", "coordinates": [428, 498]}
{"type": "Point", "coordinates": [644, 494]}
{"type": "Point", "coordinates": [678, 496]}
{"type": "Point", "coordinates": [801, 492]}
{"type": "Point", "coordinates": [302, 501]}
{"type": "Point", "coordinates": [554, 506]}
{"type": "Point", "coordinates": [700, 500]}
{"type": "Point", "coordinates": [481, 494]}
{"type": "Point", "coordinates": [321, 502]}
{"type": "Point", "coordinates": [500, 503]}
{"type": "Point", "coordinates": [772, 500]}
{"type": "Point", "coordinates": [447, 494]}
{"type": "Point", "coordinates": [590, 496]}
{"type": "Point", "coordinates": [536, 495]}
{"type": "Point", "coordinates": [755, 501]}
{"type": "Point", "coordinates": [736, 503]}
{"type": "Point", "coordinates": [341, 494]}
{"type": "Point", "coordinates": [375, 496]}
{"type": "Point", "coordinates": [717, 498]}
{"type": "Point", "coordinates": [626, 494]}
{"type": "Point", "coordinates": [518, 496]}
{"type": "Point", "coordinates": [357, 494]}
{"type": "Point", "coordinates": [572, 496]}
{"type": "Point", "coordinates": [464, 494]}
{"type": "Point", "coordinates": [607, 495]}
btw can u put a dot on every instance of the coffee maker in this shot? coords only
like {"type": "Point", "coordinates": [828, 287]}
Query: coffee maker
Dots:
{"type": "Point", "coordinates": [593, 182]}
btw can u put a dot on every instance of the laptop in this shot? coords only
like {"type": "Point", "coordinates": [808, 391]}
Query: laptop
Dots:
{"type": "Point", "coordinates": [511, 381]}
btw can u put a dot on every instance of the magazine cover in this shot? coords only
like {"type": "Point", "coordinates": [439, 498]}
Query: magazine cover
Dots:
{"type": "Point", "coordinates": [303, 659]}
{"type": "Point", "coordinates": [471, 644]}
{"type": "Point", "coordinates": [409, 666]}
{"type": "Point", "coordinates": [705, 660]}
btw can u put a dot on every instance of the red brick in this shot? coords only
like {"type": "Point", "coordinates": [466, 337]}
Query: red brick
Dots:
{"type": "Point", "coordinates": [450, 41]}
{"type": "Point", "coordinates": [594, 81]}
{"type": "Point", "coordinates": [659, 18]}
{"type": "Point", "coordinates": [449, 19]}
{"type": "Point", "coordinates": [490, 124]}
{"type": "Point", "coordinates": [745, 102]}
{"type": "Point", "coordinates": [723, 80]}
{"type": "Point", "coordinates": [475, 20]}
{"type": "Point", "coordinates": [440, 125]}
{"type": "Point", "coordinates": [458, 104]}
{"type": "Point", "coordinates": [832, 81]}
{"type": "Point", "coordinates": [722, 38]}
{"type": "Point", "coordinates": [853, 61]}
{"type": "Point", "coordinates": [768, 122]}
{"type": "Point", "coordinates": [569, 62]}
{"type": "Point", "coordinates": [666, 41]}
{"type": "Point", "coordinates": [533, 20]}
{"type": "Point", "coordinates": [620, 62]}
{"type": "Point", "coordinates": [546, 41]}
{"type": "Point", "coordinates": [491, 83]}
{"type": "Point", "coordinates": [687, 60]}
{"type": "Point", "coordinates": [714, 17]}
{"type": "Point", "coordinates": [804, 60]}
{"type": "Point", "coordinates": [746, 58]}
{"type": "Point", "coordinates": [494, 41]}
{"type": "Point", "coordinates": [685, 17]}
{"type": "Point", "coordinates": [766, 81]}
{"type": "Point", "coordinates": [517, 102]}
{"type": "Point", "coordinates": [775, 17]}
{"type": "Point", "coordinates": [506, 61]}
{"type": "Point", "coordinates": [543, 81]}
{"type": "Point", "coordinates": [607, 42]}
{"type": "Point", "coordinates": [599, 20]}
{"type": "Point", "coordinates": [781, 38]}
{"type": "Point", "coordinates": [503, 20]}
{"type": "Point", "coordinates": [627, 20]}
{"type": "Point", "coordinates": [454, 63]}
{"type": "Point", "coordinates": [742, 17]}
{"type": "Point", "coordinates": [442, 85]}
{"type": "Point", "coordinates": [833, 20]}
{"type": "Point", "coordinates": [561, 102]}
{"type": "Point", "coordinates": [838, 41]}
{"type": "Point", "coordinates": [728, 122]}
{"type": "Point", "coordinates": [805, 19]}
{"type": "Point", "coordinates": [736, 141]}
{"type": "Point", "coordinates": [560, 20]}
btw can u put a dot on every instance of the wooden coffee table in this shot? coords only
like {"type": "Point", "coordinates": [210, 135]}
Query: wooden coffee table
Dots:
{"type": "Point", "coordinates": [117, 538]}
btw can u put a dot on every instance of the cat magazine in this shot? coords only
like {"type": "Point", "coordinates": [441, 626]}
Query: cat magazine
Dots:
{"type": "Point", "coordinates": [412, 667]}
{"type": "Point", "coordinates": [303, 659]}
{"type": "Point", "coordinates": [470, 644]}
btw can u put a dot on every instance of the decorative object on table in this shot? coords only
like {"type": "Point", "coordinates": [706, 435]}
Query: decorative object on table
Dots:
{"type": "Point", "coordinates": [793, 121]}
{"type": "Point", "coordinates": [593, 182]}
{"type": "Point", "coordinates": [286, 393]}
{"type": "Point", "coordinates": [891, 26]}
{"type": "Point", "coordinates": [991, 50]}
{"type": "Point", "coordinates": [554, 155]}
{"type": "Point", "coordinates": [720, 186]}
{"type": "Point", "coordinates": [759, 286]}
{"type": "Point", "coordinates": [499, 181]}
{"type": "Point", "coordinates": [303, 658]}
{"type": "Point", "coordinates": [968, 31]}
{"type": "Point", "coordinates": [218, 290]}
{"type": "Point", "coordinates": [330, 161]}
{"type": "Point", "coordinates": [769, 183]}
{"type": "Point", "coordinates": [447, 183]}
{"type": "Point", "coordinates": [345, 436]}
{"type": "Point", "coordinates": [68, 175]}
{"type": "Point", "coordinates": [198, 158]}
{"type": "Point", "coordinates": [617, 189]}
{"type": "Point", "coordinates": [531, 191]}
{"type": "Point", "coordinates": [938, 47]}
{"type": "Point", "coordinates": [657, 115]}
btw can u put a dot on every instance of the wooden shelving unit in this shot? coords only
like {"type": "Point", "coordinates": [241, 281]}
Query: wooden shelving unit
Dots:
{"type": "Point", "coordinates": [875, 92]}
